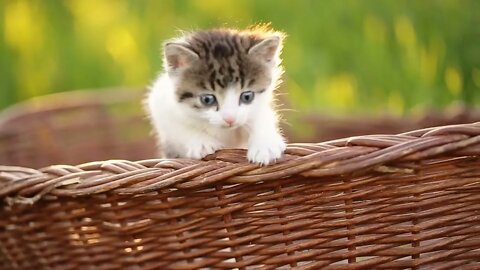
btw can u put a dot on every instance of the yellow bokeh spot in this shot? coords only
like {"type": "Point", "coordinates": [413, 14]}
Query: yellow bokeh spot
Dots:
{"type": "Point", "coordinates": [341, 90]}
{"type": "Point", "coordinates": [430, 56]}
{"type": "Point", "coordinates": [22, 27]}
{"type": "Point", "coordinates": [93, 17]}
{"type": "Point", "coordinates": [374, 29]}
{"type": "Point", "coordinates": [428, 64]}
{"type": "Point", "coordinates": [405, 32]}
{"type": "Point", "coordinates": [120, 44]}
{"type": "Point", "coordinates": [124, 50]}
{"type": "Point", "coordinates": [453, 80]}
{"type": "Point", "coordinates": [476, 77]}
{"type": "Point", "coordinates": [396, 104]}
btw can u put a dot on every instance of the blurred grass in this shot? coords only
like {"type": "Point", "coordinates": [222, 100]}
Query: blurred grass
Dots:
{"type": "Point", "coordinates": [340, 56]}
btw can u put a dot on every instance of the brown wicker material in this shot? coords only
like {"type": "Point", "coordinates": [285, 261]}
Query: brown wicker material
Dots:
{"type": "Point", "coordinates": [76, 127]}
{"type": "Point", "coordinates": [408, 201]}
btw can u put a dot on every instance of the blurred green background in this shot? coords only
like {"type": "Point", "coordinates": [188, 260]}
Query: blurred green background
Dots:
{"type": "Point", "coordinates": [340, 56]}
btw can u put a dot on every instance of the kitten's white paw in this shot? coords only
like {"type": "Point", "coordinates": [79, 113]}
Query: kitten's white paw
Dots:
{"type": "Point", "coordinates": [266, 150]}
{"type": "Point", "coordinates": [200, 150]}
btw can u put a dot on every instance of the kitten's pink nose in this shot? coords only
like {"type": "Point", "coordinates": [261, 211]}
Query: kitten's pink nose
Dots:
{"type": "Point", "coordinates": [229, 120]}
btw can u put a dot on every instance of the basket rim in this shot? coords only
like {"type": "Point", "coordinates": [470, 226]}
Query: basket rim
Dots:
{"type": "Point", "coordinates": [336, 158]}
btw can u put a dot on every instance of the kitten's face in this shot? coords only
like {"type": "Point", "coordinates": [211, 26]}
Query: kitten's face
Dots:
{"type": "Point", "coordinates": [221, 78]}
{"type": "Point", "coordinates": [229, 105]}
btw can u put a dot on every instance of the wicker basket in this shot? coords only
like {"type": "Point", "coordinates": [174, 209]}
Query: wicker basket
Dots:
{"type": "Point", "coordinates": [407, 201]}
{"type": "Point", "coordinates": [75, 127]}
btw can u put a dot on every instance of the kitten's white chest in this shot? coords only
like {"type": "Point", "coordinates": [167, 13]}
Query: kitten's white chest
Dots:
{"type": "Point", "coordinates": [232, 138]}
{"type": "Point", "coordinates": [190, 141]}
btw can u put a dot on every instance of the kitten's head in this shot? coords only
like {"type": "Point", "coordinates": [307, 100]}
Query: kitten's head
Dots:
{"type": "Point", "coordinates": [224, 76]}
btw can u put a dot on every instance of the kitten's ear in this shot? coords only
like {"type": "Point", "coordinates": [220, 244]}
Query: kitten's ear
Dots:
{"type": "Point", "coordinates": [177, 55]}
{"type": "Point", "coordinates": [267, 49]}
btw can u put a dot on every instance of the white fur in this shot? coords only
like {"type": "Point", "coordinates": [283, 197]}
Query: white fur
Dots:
{"type": "Point", "coordinates": [196, 133]}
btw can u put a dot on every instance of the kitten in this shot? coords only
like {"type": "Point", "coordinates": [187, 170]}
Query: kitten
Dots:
{"type": "Point", "coordinates": [217, 92]}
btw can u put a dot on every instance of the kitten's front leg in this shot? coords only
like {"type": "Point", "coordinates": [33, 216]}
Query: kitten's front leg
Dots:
{"type": "Point", "coordinates": [198, 147]}
{"type": "Point", "coordinates": [265, 144]}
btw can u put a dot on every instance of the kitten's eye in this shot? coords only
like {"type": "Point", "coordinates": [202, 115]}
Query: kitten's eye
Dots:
{"type": "Point", "coordinates": [208, 100]}
{"type": "Point", "coordinates": [247, 97]}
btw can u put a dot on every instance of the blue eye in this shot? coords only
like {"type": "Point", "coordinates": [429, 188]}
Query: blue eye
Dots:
{"type": "Point", "coordinates": [208, 100]}
{"type": "Point", "coordinates": [247, 97]}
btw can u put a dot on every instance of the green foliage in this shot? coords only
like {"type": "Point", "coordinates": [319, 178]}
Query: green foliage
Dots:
{"type": "Point", "coordinates": [340, 56]}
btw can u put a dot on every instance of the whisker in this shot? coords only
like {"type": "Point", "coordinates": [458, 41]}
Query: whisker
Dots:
{"type": "Point", "coordinates": [287, 110]}
{"type": "Point", "coordinates": [285, 122]}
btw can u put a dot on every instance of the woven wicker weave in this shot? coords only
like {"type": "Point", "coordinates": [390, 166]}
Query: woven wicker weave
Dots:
{"type": "Point", "coordinates": [372, 202]}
